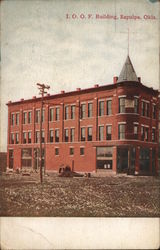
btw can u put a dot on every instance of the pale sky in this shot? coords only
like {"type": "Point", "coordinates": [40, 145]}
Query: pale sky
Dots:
{"type": "Point", "coordinates": [39, 44]}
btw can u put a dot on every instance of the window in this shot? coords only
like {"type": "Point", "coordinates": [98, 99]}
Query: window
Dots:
{"type": "Point", "coordinates": [72, 134]}
{"type": "Point", "coordinates": [24, 117]}
{"type": "Point", "coordinates": [109, 107]}
{"type": "Point", "coordinates": [153, 134]}
{"type": "Point", "coordinates": [73, 109]}
{"type": "Point", "coordinates": [51, 135]}
{"type": "Point", "coordinates": [90, 109]}
{"type": "Point", "coordinates": [51, 114]}
{"type": "Point", "coordinates": [101, 108]}
{"type": "Point", "coordinates": [29, 117]}
{"type": "Point", "coordinates": [108, 132]}
{"type": "Point", "coordinates": [89, 133]}
{"type": "Point", "coordinates": [12, 119]}
{"type": "Point", "coordinates": [37, 136]}
{"type": "Point", "coordinates": [37, 116]}
{"type": "Point", "coordinates": [66, 117]}
{"type": "Point", "coordinates": [146, 134]}
{"type": "Point", "coordinates": [56, 151]}
{"type": "Point", "coordinates": [29, 137]}
{"type": "Point", "coordinates": [101, 133]}
{"type": "Point", "coordinates": [121, 131]}
{"type": "Point", "coordinates": [43, 115]}
{"type": "Point", "coordinates": [122, 105]}
{"type": "Point", "coordinates": [24, 137]}
{"type": "Point", "coordinates": [12, 138]}
{"type": "Point", "coordinates": [66, 135]}
{"type": "Point", "coordinates": [136, 105]}
{"type": "Point", "coordinates": [81, 151]}
{"type": "Point", "coordinates": [17, 119]}
{"type": "Point", "coordinates": [82, 134]}
{"type": "Point", "coordinates": [43, 136]}
{"type": "Point", "coordinates": [57, 114]}
{"type": "Point", "coordinates": [145, 108]}
{"type": "Point", "coordinates": [142, 133]}
{"type": "Point", "coordinates": [56, 135]}
{"type": "Point", "coordinates": [154, 111]}
{"type": "Point", "coordinates": [26, 160]}
{"type": "Point", "coordinates": [71, 151]}
{"type": "Point", "coordinates": [83, 111]}
{"type": "Point", "coordinates": [17, 138]}
{"type": "Point", "coordinates": [135, 131]}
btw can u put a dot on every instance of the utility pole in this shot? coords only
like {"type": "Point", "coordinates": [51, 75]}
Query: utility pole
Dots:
{"type": "Point", "coordinates": [42, 88]}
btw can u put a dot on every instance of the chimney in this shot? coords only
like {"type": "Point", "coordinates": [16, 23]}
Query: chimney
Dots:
{"type": "Point", "coordinates": [115, 79]}
{"type": "Point", "coordinates": [96, 86]}
{"type": "Point", "coordinates": [34, 97]}
{"type": "Point", "coordinates": [9, 102]}
{"type": "Point", "coordinates": [62, 91]}
{"type": "Point", "coordinates": [139, 79]}
{"type": "Point", "coordinates": [22, 100]}
{"type": "Point", "coordinates": [48, 94]}
{"type": "Point", "coordinates": [78, 89]}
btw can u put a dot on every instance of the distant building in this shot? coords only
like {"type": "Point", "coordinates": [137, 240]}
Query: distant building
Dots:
{"type": "Point", "coordinates": [110, 127]}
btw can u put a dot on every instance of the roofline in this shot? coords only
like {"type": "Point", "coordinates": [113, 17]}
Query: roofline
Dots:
{"type": "Point", "coordinates": [83, 91]}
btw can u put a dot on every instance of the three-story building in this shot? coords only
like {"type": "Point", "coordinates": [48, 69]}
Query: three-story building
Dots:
{"type": "Point", "coordinates": [110, 127]}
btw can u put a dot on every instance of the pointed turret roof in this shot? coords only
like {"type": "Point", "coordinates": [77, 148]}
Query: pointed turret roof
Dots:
{"type": "Point", "coordinates": [127, 73]}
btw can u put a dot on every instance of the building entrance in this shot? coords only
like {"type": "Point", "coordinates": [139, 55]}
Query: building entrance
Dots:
{"type": "Point", "coordinates": [126, 159]}
{"type": "Point", "coordinates": [11, 158]}
{"type": "Point", "coordinates": [104, 158]}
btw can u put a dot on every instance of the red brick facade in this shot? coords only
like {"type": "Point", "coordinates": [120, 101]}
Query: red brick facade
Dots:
{"type": "Point", "coordinates": [110, 127]}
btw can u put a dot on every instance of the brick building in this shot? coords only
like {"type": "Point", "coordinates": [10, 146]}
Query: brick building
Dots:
{"type": "Point", "coordinates": [110, 127]}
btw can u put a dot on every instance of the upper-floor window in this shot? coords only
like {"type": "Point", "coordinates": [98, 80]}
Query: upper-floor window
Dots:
{"type": "Point", "coordinates": [154, 111]}
{"type": "Point", "coordinates": [12, 119]}
{"type": "Point", "coordinates": [142, 133]}
{"type": "Point", "coordinates": [17, 138]}
{"type": "Point", "coordinates": [37, 114]}
{"type": "Point", "coordinates": [24, 137]}
{"type": "Point", "coordinates": [121, 131]}
{"type": "Point", "coordinates": [153, 134]}
{"type": "Point", "coordinates": [12, 138]}
{"type": "Point", "coordinates": [136, 105]}
{"type": "Point", "coordinates": [66, 115]}
{"type": "Point", "coordinates": [122, 105]}
{"type": "Point", "coordinates": [135, 131]}
{"type": "Point", "coordinates": [24, 117]}
{"type": "Point", "coordinates": [57, 113]}
{"type": "Point", "coordinates": [73, 109]}
{"type": "Point", "coordinates": [108, 132]}
{"type": "Point", "coordinates": [66, 135]}
{"type": "Point", "coordinates": [17, 118]}
{"type": "Point", "coordinates": [29, 116]}
{"type": "Point", "coordinates": [90, 109]}
{"type": "Point", "coordinates": [37, 136]}
{"type": "Point", "coordinates": [56, 135]}
{"type": "Point", "coordinates": [145, 108]}
{"type": "Point", "coordinates": [101, 133]}
{"type": "Point", "coordinates": [101, 108]}
{"type": "Point", "coordinates": [89, 133]}
{"type": "Point", "coordinates": [72, 134]}
{"type": "Point", "coordinates": [29, 137]}
{"type": "Point", "coordinates": [51, 135]}
{"type": "Point", "coordinates": [51, 114]}
{"type": "Point", "coordinates": [83, 110]}
{"type": "Point", "coordinates": [43, 136]}
{"type": "Point", "coordinates": [109, 107]}
{"type": "Point", "coordinates": [83, 137]}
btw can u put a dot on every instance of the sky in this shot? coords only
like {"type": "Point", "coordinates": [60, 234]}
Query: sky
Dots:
{"type": "Point", "coordinates": [64, 45]}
